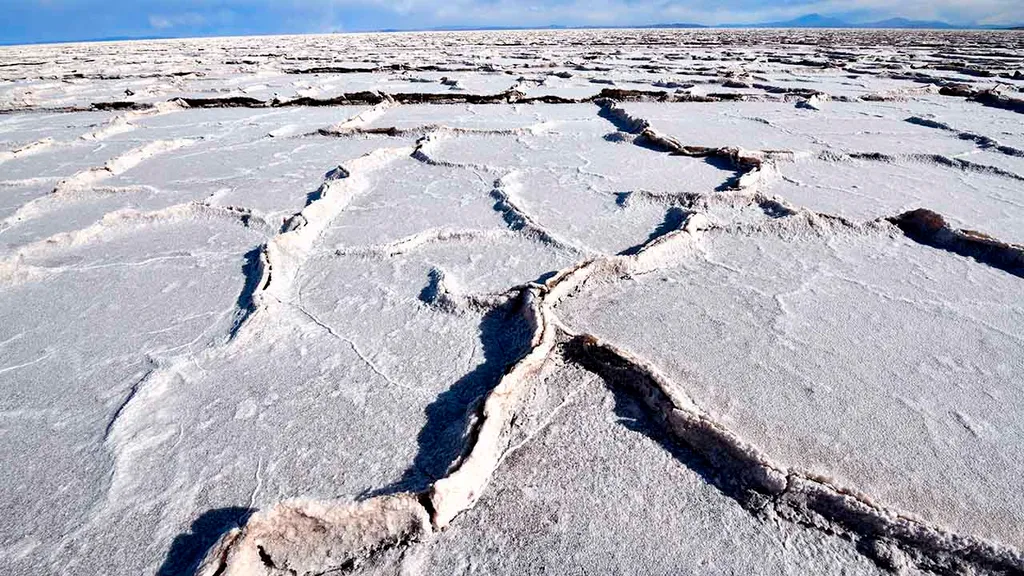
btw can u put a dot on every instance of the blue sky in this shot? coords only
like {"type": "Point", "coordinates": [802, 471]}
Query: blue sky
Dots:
{"type": "Point", "coordinates": [56, 20]}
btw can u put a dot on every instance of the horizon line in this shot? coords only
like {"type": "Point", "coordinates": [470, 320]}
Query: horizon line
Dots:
{"type": "Point", "coordinates": [943, 27]}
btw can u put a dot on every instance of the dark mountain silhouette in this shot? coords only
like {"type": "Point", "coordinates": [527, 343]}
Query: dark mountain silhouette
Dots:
{"type": "Point", "coordinates": [819, 21]}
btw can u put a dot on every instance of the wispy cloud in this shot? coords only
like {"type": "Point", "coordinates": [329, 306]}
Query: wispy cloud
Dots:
{"type": "Point", "coordinates": [190, 19]}
{"type": "Point", "coordinates": [534, 12]}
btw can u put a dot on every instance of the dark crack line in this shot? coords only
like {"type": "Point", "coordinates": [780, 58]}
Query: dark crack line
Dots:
{"type": "Point", "coordinates": [742, 472]}
{"type": "Point", "coordinates": [478, 419]}
{"type": "Point", "coordinates": [132, 392]}
{"type": "Point", "coordinates": [931, 229]}
{"type": "Point", "coordinates": [982, 142]}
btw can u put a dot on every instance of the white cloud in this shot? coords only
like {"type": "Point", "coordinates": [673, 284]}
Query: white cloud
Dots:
{"type": "Point", "coordinates": [188, 19]}
{"type": "Point", "coordinates": [191, 19]}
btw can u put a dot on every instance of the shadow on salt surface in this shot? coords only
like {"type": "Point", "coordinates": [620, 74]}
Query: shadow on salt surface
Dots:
{"type": "Point", "coordinates": [930, 229]}
{"type": "Point", "coordinates": [637, 418]}
{"type": "Point", "coordinates": [445, 436]}
{"type": "Point", "coordinates": [115, 301]}
{"type": "Point", "coordinates": [252, 272]}
{"type": "Point", "coordinates": [189, 548]}
{"type": "Point", "coordinates": [906, 375]}
{"type": "Point", "coordinates": [598, 489]}
{"type": "Point", "coordinates": [878, 127]}
{"type": "Point", "coordinates": [626, 129]}
{"type": "Point", "coordinates": [867, 189]}
{"type": "Point", "coordinates": [674, 218]}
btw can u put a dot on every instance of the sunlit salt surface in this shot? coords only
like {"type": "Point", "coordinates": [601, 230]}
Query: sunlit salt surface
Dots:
{"type": "Point", "coordinates": [661, 301]}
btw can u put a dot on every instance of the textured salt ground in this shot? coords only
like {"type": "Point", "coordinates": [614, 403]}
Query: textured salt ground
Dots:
{"type": "Point", "coordinates": [56, 162]}
{"type": "Point", "coordinates": [478, 83]}
{"type": "Point", "coordinates": [239, 126]}
{"type": "Point", "coordinates": [288, 86]}
{"type": "Point", "coordinates": [414, 196]}
{"type": "Point", "coordinates": [230, 161]}
{"type": "Point", "coordinates": [231, 428]}
{"type": "Point", "coordinates": [68, 214]}
{"type": "Point", "coordinates": [592, 146]}
{"type": "Point", "coordinates": [68, 92]}
{"type": "Point", "coordinates": [358, 383]}
{"type": "Point", "coordinates": [718, 125]}
{"type": "Point", "coordinates": [482, 117]}
{"type": "Point", "coordinates": [63, 385]}
{"type": "Point", "coordinates": [265, 85]}
{"type": "Point", "coordinates": [844, 127]}
{"type": "Point", "coordinates": [19, 130]}
{"type": "Point", "coordinates": [481, 262]}
{"type": "Point", "coordinates": [586, 211]}
{"type": "Point", "coordinates": [1002, 125]}
{"type": "Point", "coordinates": [574, 180]}
{"type": "Point", "coordinates": [1013, 164]}
{"type": "Point", "coordinates": [580, 215]}
{"type": "Point", "coordinates": [866, 190]}
{"type": "Point", "coordinates": [14, 195]}
{"type": "Point", "coordinates": [225, 127]}
{"type": "Point", "coordinates": [260, 84]}
{"type": "Point", "coordinates": [585, 84]}
{"type": "Point", "coordinates": [600, 491]}
{"type": "Point", "coordinates": [840, 84]}
{"type": "Point", "coordinates": [270, 176]}
{"type": "Point", "coordinates": [886, 365]}
{"type": "Point", "coordinates": [837, 84]}
{"type": "Point", "coordinates": [43, 76]}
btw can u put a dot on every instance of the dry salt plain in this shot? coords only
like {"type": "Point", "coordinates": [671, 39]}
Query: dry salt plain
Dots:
{"type": "Point", "coordinates": [659, 302]}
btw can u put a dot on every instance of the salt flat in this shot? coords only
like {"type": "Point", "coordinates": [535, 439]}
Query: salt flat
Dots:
{"type": "Point", "coordinates": [587, 302]}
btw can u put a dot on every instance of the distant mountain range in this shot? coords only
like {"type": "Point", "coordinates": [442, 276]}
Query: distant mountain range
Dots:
{"type": "Point", "coordinates": [806, 21]}
{"type": "Point", "coordinates": [819, 21]}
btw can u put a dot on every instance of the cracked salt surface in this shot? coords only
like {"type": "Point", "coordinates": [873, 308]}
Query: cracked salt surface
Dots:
{"type": "Point", "coordinates": [856, 356]}
{"type": "Point", "coordinates": [73, 354]}
{"type": "Point", "coordinates": [869, 189]}
{"type": "Point", "coordinates": [513, 302]}
{"type": "Point", "coordinates": [615, 499]}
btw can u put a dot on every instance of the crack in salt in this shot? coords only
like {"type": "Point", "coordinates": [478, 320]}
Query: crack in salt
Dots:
{"type": "Point", "coordinates": [796, 496]}
{"type": "Point", "coordinates": [340, 535]}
